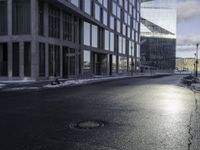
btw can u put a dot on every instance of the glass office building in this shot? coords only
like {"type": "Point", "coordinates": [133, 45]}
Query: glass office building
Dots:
{"type": "Point", "coordinates": [158, 34]}
{"type": "Point", "coordinates": [40, 39]}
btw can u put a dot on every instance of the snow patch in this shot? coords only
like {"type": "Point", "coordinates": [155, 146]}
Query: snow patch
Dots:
{"type": "Point", "coordinates": [81, 81]}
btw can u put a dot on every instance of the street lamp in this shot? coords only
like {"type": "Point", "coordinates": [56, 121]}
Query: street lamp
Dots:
{"type": "Point", "coordinates": [197, 60]}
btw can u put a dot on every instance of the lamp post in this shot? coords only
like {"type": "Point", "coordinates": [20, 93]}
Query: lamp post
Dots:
{"type": "Point", "coordinates": [197, 60]}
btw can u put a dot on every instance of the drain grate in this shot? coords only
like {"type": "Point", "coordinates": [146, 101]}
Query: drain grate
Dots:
{"type": "Point", "coordinates": [89, 124]}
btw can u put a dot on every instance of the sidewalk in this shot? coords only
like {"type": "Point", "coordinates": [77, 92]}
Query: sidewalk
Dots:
{"type": "Point", "coordinates": [18, 85]}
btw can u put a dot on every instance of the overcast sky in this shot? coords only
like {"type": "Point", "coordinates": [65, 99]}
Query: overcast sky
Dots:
{"type": "Point", "coordinates": [188, 27]}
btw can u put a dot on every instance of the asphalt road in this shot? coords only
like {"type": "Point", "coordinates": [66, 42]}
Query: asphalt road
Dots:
{"type": "Point", "coordinates": [140, 113]}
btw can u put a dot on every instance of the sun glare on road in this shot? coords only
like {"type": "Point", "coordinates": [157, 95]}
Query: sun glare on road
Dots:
{"type": "Point", "coordinates": [172, 101]}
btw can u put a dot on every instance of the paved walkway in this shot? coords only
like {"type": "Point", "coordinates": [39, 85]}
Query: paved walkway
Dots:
{"type": "Point", "coordinates": [36, 85]}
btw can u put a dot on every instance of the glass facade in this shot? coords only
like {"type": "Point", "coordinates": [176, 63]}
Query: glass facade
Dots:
{"type": "Point", "coordinates": [67, 44]}
{"type": "Point", "coordinates": [3, 17]}
{"type": "Point", "coordinates": [158, 34]}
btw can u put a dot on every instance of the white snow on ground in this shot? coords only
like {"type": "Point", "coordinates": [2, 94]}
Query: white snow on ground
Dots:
{"type": "Point", "coordinates": [82, 81]}
{"type": "Point", "coordinates": [196, 86]}
{"type": "Point", "coordinates": [21, 88]}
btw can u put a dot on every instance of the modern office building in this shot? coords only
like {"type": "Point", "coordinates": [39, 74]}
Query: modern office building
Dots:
{"type": "Point", "coordinates": [158, 34]}
{"type": "Point", "coordinates": [40, 39]}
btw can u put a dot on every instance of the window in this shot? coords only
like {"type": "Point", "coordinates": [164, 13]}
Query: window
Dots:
{"type": "Point", "coordinates": [119, 44]}
{"type": "Point", "coordinates": [15, 59]}
{"type": "Point", "coordinates": [75, 2]}
{"type": "Point", "coordinates": [94, 36]}
{"type": "Point", "coordinates": [112, 42]}
{"type": "Point", "coordinates": [3, 59]}
{"type": "Point", "coordinates": [41, 59]}
{"type": "Point", "coordinates": [3, 17]}
{"type": "Point", "coordinates": [41, 18]}
{"type": "Point", "coordinates": [118, 26]}
{"type": "Point", "coordinates": [118, 12]}
{"type": "Point", "coordinates": [54, 22]}
{"type": "Point", "coordinates": [106, 40]}
{"type": "Point", "coordinates": [124, 45]}
{"type": "Point", "coordinates": [138, 50]}
{"type": "Point", "coordinates": [54, 60]}
{"type": "Point", "coordinates": [87, 6]}
{"type": "Point", "coordinates": [122, 64]}
{"type": "Point", "coordinates": [21, 17]}
{"type": "Point", "coordinates": [86, 60]}
{"type": "Point", "coordinates": [105, 18]}
{"type": "Point", "coordinates": [114, 8]}
{"type": "Point", "coordinates": [97, 12]}
{"type": "Point", "coordinates": [105, 3]}
{"type": "Point", "coordinates": [114, 63]}
{"type": "Point", "coordinates": [86, 33]}
{"type": "Point", "coordinates": [67, 27]}
{"type": "Point", "coordinates": [112, 22]}
{"type": "Point", "coordinates": [27, 59]}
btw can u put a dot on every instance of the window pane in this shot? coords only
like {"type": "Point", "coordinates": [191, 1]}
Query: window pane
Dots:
{"type": "Point", "coordinates": [15, 59]}
{"type": "Point", "coordinates": [3, 17]}
{"type": "Point", "coordinates": [97, 12]}
{"type": "Point", "coordinates": [41, 18]}
{"type": "Point", "coordinates": [105, 17]}
{"type": "Point", "coordinates": [57, 60]}
{"type": "Point", "coordinates": [54, 22]}
{"type": "Point", "coordinates": [111, 41]}
{"type": "Point", "coordinates": [75, 2]}
{"type": "Point", "coordinates": [27, 59]}
{"type": "Point", "coordinates": [41, 59]}
{"type": "Point", "coordinates": [67, 27]}
{"type": "Point", "coordinates": [87, 6]}
{"type": "Point", "coordinates": [51, 63]}
{"type": "Point", "coordinates": [94, 36]}
{"type": "Point", "coordinates": [3, 59]}
{"type": "Point", "coordinates": [21, 17]}
{"type": "Point", "coordinates": [86, 34]}
{"type": "Point", "coordinates": [114, 64]}
{"type": "Point", "coordinates": [86, 60]}
{"type": "Point", "coordinates": [106, 40]}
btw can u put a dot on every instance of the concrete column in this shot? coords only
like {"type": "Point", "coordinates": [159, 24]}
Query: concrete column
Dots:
{"type": "Point", "coordinates": [21, 60]}
{"type": "Point", "coordinates": [9, 60]}
{"type": "Point", "coordinates": [9, 7]}
{"type": "Point", "coordinates": [46, 60]}
{"type": "Point", "coordinates": [34, 43]}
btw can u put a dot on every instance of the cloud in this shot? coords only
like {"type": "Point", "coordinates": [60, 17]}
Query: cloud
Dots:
{"type": "Point", "coordinates": [188, 40]}
{"type": "Point", "coordinates": [187, 9]}
{"type": "Point", "coordinates": [186, 45]}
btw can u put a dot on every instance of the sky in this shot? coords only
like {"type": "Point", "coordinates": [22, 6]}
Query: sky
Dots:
{"type": "Point", "coordinates": [188, 27]}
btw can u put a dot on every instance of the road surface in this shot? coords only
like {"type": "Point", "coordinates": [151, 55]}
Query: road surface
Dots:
{"type": "Point", "coordinates": [139, 113]}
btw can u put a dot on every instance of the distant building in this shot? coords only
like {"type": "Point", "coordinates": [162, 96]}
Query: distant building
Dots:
{"type": "Point", "coordinates": [186, 64]}
{"type": "Point", "coordinates": [40, 39]}
{"type": "Point", "coordinates": [158, 34]}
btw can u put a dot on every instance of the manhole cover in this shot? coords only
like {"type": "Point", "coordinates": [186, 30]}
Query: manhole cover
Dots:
{"type": "Point", "coordinates": [89, 124]}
